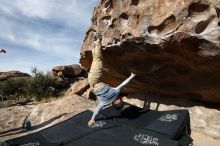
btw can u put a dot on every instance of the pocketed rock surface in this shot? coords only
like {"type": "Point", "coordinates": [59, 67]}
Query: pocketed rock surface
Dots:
{"type": "Point", "coordinates": [172, 45]}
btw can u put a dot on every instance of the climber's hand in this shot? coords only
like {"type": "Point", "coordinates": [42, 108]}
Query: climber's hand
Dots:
{"type": "Point", "coordinates": [91, 123]}
{"type": "Point", "coordinates": [133, 75]}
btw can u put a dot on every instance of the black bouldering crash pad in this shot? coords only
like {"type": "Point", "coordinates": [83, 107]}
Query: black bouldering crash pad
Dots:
{"type": "Point", "coordinates": [129, 126]}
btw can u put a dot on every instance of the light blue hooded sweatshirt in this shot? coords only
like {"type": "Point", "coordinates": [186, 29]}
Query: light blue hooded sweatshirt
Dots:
{"type": "Point", "coordinates": [106, 95]}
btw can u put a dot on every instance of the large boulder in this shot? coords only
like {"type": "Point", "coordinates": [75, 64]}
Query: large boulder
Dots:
{"type": "Point", "coordinates": [68, 74]}
{"type": "Point", "coordinates": [79, 87]}
{"type": "Point", "coordinates": [69, 71]}
{"type": "Point", "coordinates": [172, 46]}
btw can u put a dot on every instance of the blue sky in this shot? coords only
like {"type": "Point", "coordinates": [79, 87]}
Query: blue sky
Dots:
{"type": "Point", "coordinates": [42, 33]}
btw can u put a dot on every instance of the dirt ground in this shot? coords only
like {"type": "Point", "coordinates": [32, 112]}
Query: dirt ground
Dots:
{"type": "Point", "coordinates": [200, 139]}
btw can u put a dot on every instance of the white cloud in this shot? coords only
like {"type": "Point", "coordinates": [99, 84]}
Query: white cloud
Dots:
{"type": "Point", "coordinates": [55, 28]}
{"type": "Point", "coordinates": [74, 13]}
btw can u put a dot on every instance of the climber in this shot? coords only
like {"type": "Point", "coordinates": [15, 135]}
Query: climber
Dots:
{"type": "Point", "coordinates": [2, 50]}
{"type": "Point", "coordinates": [105, 94]}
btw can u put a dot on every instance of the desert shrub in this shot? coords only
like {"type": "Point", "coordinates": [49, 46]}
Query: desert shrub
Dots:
{"type": "Point", "coordinates": [14, 88]}
{"type": "Point", "coordinates": [42, 85]}
{"type": "Point", "coordinates": [1, 96]}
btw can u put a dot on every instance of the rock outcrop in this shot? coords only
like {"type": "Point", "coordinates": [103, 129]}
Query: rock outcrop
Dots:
{"type": "Point", "coordinates": [82, 88]}
{"type": "Point", "coordinates": [68, 74]}
{"type": "Point", "coordinates": [79, 87]}
{"type": "Point", "coordinates": [172, 46]}
{"type": "Point", "coordinates": [12, 74]}
{"type": "Point", "coordinates": [69, 71]}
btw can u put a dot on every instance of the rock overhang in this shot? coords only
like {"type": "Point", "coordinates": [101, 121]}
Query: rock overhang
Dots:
{"type": "Point", "coordinates": [174, 52]}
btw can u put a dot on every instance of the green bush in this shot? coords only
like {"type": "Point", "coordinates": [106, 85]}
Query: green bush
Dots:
{"type": "Point", "coordinates": [14, 88]}
{"type": "Point", "coordinates": [42, 85]}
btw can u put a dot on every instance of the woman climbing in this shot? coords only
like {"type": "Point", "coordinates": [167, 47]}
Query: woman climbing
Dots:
{"type": "Point", "coordinates": [105, 94]}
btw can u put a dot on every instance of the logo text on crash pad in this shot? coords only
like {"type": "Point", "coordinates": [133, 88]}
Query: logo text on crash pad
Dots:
{"type": "Point", "coordinates": [31, 144]}
{"type": "Point", "coordinates": [98, 124]}
{"type": "Point", "coordinates": [168, 118]}
{"type": "Point", "coordinates": [146, 139]}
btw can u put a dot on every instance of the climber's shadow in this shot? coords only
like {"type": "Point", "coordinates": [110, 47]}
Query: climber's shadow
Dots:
{"type": "Point", "coordinates": [21, 130]}
{"type": "Point", "coordinates": [127, 112]}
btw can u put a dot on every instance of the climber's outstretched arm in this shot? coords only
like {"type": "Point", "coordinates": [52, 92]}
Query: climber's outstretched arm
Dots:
{"type": "Point", "coordinates": [125, 82]}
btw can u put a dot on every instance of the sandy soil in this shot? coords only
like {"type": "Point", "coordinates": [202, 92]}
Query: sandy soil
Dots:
{"type": "Point", "coordinates": [200, 139]}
